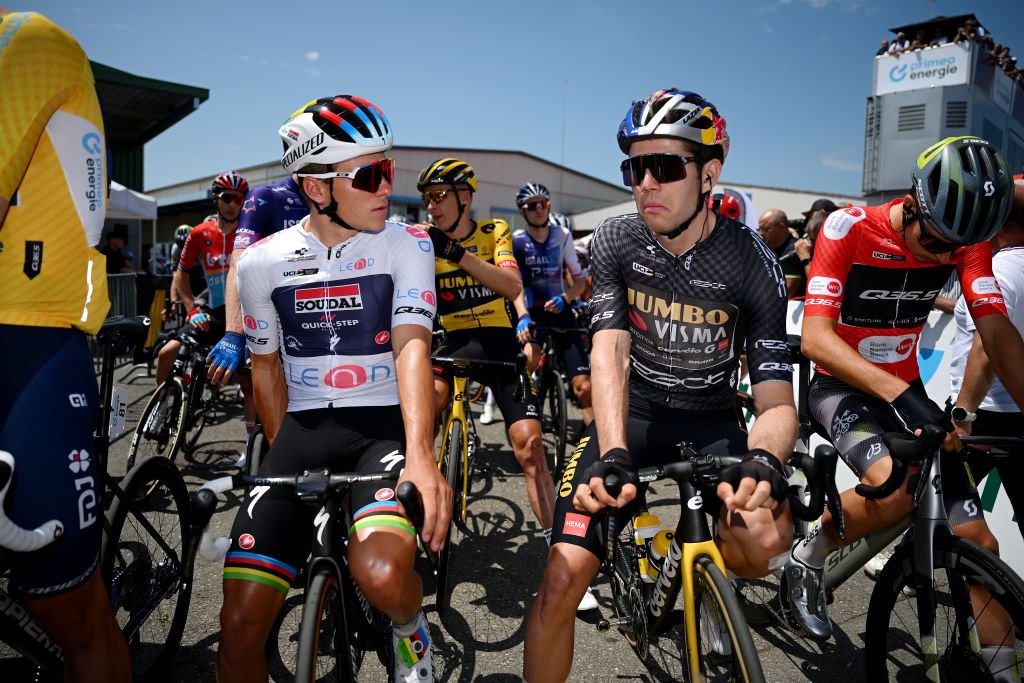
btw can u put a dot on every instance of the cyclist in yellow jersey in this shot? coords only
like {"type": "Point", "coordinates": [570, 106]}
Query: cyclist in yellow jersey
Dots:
{"type": "Point", "coordinates": [477, 279]}
{"type": "Point", "coordinates": [53, 195]}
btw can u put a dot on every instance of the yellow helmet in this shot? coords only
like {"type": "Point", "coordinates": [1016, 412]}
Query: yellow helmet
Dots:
{"type": "Point", "coordinates": [447, 171]}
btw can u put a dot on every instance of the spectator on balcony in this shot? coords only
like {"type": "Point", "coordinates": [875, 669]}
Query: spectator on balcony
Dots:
{"type": "Point", "coordinates": [970, 31]}
{"type": "Point", "coordinates": [900, 45]}
{"type": "Point", "coordinates": [1010, 66]}
{"type": "Point", "coordinates": [997, 53]}
{"type": "Point", "coordinates": [920, 41]}
{"type": "Point", "coordinates": [939, 37]}
{"type": "Point", "coordinates": [884, 49]}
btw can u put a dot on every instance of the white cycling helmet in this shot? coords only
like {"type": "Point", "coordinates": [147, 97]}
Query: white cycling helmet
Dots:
{"type": "Point", "coordinates": [331, 130]}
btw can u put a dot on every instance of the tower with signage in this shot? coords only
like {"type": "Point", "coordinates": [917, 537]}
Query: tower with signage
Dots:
{"type": "Point", "coordinates": [922, 96]}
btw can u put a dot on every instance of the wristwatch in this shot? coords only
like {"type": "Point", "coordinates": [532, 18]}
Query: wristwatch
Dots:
{"type": "Point", "coordinates": [961, 414]}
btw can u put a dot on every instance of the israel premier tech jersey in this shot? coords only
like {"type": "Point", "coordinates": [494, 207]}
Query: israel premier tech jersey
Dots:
{"type": "Point", "coordinates": [268, 209]}
{"type": "Point", "coordinates": [864, 277]}
{"type": "Point", "coordinates": [688, 315]}
{"type": "Point", "coordinates": [331, 311]}
{"type": "Point", "coordinates": [463, 302]}
{"type": "Point", "coordinates": [541, 263]}
{"type": "Point", "coordinates": [53, 173]}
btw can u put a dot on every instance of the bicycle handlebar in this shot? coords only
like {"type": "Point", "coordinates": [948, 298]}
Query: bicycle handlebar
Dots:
{"type": "Point", "coordinates": [12, 536]}
{"type": "Point", "coordinates": [904, 449]}
{"type": "Point", "coordinates": [464, 367]}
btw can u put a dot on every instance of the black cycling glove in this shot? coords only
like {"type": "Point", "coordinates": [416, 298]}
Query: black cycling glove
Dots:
{"type": "Point", "coordinates": [616, 461]}
{"type": "Point", "coordinates": [759, 465]}
{"type": "Point", "coordinates": [444, 247]}
{"type": "Point", "coordinates": [917, 410]}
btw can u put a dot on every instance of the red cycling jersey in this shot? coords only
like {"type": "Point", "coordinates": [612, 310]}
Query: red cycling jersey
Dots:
{"type": "Point", "coordinates": [864, 275]}
{"type": "Point", "coordinates": [206, 243]}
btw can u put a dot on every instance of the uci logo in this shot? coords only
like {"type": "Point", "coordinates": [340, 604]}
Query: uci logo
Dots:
{"type": "Point", "coordinates": [898, 73]}
{"type": "Point", "coordinates": [990, 188]}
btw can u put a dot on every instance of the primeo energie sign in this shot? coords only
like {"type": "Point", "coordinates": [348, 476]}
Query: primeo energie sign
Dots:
{"type": "Point", "coordinates": [938, 66]}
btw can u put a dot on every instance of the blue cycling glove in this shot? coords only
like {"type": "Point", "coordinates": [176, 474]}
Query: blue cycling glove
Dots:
{"type": "Point", "coordinates": [559, 301]}
{"type": "Point", "coordinates": [197, 317]}
{"type": "Point", "coordinates": [228, 351]}
{"type": "Point", "coordinates": [524, 323]}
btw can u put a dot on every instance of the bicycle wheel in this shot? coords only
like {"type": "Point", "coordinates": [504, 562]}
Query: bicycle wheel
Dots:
{"type": "Point", "coordinates": [627, 594]}
{"type": "Point", "coordinates": [325, 652]}
{"type": "Point", "coordinates": [147, 576]}
{"type": "Point", "coordinates": [450, 468]}
{"type": "Point", "coordinates": [162, 424]}
{"type": "Point", "coordinates": [256, 447]}
{"type": "Point", "coordinates": [893, 640]}
{"type": "Point", "coordinates": [201, 398]}
{"type": "Point", "coordinates": [724, 642]}
{"type": "Point", "coordinates": [554, 420]}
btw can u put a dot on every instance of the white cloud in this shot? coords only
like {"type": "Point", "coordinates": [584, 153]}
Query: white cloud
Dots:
{"type": "Point", "coordinates": [312, 56]}
{"type": "Point", "coordinates": [839, 164]}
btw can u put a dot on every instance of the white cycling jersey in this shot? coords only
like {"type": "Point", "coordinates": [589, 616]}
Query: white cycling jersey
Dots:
{"type": "Point", "coordinates": [331, 312]}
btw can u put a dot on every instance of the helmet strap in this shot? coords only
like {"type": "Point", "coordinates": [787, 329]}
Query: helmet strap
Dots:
{"type": "Point", "coordinates": [702, 202]}
{"type": "Point", "coordinates": [458, 216]}
{"type": "Point", "coordinates": [331, 210]}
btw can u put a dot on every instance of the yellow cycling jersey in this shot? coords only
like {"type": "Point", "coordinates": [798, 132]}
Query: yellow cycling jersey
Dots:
{"type": "Point", "coordinates": [53, 174]}
{"type": "Point", "coordinates": [462, 302]}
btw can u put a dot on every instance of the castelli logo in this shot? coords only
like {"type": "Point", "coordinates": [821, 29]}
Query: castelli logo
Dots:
{"type": "Point", "coordinates": [382, 337]}
{"type": "Point", "coordinates": [246, 541]}
{"type": "Point", "coordinates": [384, 494]}
{"type": "Point", "coordinates": [417, 232]}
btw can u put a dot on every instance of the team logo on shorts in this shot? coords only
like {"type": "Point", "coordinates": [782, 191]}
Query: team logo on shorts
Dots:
{"type": "Point", "coordinates": [575, 524]}
{"type": "Point", "coordinates": [78, 460]}
{"type": "Point", "coordinates": [246, 541]}
{"type": "Point", "coordinates": [384, 494]}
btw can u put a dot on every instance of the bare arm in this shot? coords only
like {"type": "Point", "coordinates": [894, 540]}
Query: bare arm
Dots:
{"type": "Point", "coordinates": [411, 345]}
{"type": "Point", "coordinates": [821, 344]}
{"type": "Point", "coordinates": [575, 288]}
{"type": "Point", "coordinates": [504, 281]}
{"type": "Point", "coordinates": [271, 393]}
{"type": "Point", "coordinates": [232, 305]}
{"type": "Point", "coordinates": [181, 285]}
{"type": "Point", "coordinates": [1004, 349]}
{"type": "Point", "coordinates": [775, 429]}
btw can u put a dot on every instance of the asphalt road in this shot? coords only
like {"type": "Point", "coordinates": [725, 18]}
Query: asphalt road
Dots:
{"type": "Point", "coordinates": [497, 566]}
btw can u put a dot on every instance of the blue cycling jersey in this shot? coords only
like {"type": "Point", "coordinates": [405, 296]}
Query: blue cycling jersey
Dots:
{"type": "Point", "coordinates": [269, 209]}
{"type": "Point", "coordinates": [541, 263]}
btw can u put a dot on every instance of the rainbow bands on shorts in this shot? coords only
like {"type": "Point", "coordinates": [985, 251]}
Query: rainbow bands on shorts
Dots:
{"type": "Point", "coordinates": [380, 514]}
{"type": "Point", "coordinates": [259, 568]}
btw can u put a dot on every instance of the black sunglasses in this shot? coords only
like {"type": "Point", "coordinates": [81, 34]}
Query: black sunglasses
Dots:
{"type": "Point", "coordinates": [536, 206]}
{"type": "Point", "coordinates": [928, 241]}
{"type": "Point", "coordinates": [664, 168]}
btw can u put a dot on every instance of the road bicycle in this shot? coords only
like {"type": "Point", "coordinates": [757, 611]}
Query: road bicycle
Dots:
{"type": "Point", "coordinates": [456, 456]}
{"type": "Point", "coordinates": [553, 389]}
{"type": "Point", "coordinates": [715, 634]}
{"type": "Point", "coordinates": [339, 625]}
{"type": "Point", "coordinates": [147, 552]}
{"type": "Point", "coordinates": [176, 412]}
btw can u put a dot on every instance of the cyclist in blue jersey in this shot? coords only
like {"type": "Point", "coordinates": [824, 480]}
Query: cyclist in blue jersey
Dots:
{"type": "Point", "coordinates": [266, 210]}
{"type": "Point", "coordinates": [545, 252]}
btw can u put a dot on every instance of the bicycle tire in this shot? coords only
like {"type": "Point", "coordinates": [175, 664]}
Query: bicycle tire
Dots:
{"type": "Point", "coordinates": [628, 595]}
{"type": "Point", "coordinates": [256, 447]}
{"type": "Point", "coordinates": [719, 616]}
{"type": "Point", "coordinates": [452, 474]}
{"type": "Point", "coordinates": [325, 651]}
{"type": "Point", "coordinates": [201, 398]}
{"type": "Point", "coordinates": [148, 578]}
{"type": "Point", "coordinates": [559, 412]}
{"type": "Point", "coordinates": [162, 440]}
{"type": "Point", "coordinates": [958, 561]}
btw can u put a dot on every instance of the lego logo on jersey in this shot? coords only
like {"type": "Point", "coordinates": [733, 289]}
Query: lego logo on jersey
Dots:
{"type": "Point", "coordinates": [827, 286]}
{"type": "Point", "coordinates": [986, 285]}
{"type": "Point", "coordinates": [887, 349]}
{"type": "Point", "coordinates": [839, 223]}
{"type": "Point", "coordinates": [321, 299]}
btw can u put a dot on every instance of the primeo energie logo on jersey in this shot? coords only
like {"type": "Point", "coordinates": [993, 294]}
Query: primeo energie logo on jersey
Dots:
{"type": "Point", "coordinates": [328, 299]}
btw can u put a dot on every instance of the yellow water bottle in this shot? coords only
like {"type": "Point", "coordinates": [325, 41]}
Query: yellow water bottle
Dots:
{"type": "Point", "coordinates": [645, 528]}
{"type": "Point", "coordinates": [658, 551]}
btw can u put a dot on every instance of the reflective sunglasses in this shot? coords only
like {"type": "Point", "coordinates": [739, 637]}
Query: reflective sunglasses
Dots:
{"type": "Point", "coordinates": [366, 178]}
{"type": "Point", "coordinates": [536, 206]}
{"type": "Point", "coordinates": [664, 168]}
{"type": "Point", "coordinates": [435, 195]}
{"type": "Point", "coordinates": [230, 198]}
{"type": "Point", "coordinates": [929, 242]}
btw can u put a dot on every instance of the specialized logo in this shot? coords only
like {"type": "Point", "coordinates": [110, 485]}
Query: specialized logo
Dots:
{"type": "Point", "coordinates": [312, 145]}
{"type": "Point", "coordinates": [246, 541]}
{"type": "Point", "coordinates": [824, 286]}
{"type": "Point", "coordinates": [576, 524]}
{"type": "Point", "coordinates": [321, 299]}
{"type": "Point", "coordinates": [78, 460]}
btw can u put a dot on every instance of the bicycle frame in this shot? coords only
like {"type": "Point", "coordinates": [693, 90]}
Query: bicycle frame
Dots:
{"type": "Point", "coordinates": [26, 635]}
{"type": "Point", "coordinates": [458, 413]}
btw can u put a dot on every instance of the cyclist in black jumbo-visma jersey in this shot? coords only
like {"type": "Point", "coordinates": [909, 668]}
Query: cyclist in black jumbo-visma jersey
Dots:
{"type": "Point", "coordinates": [677, 290]}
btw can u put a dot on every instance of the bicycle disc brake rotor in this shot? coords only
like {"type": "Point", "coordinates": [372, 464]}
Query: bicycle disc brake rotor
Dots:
{"type": "Point", "coordinates": [629, 604]}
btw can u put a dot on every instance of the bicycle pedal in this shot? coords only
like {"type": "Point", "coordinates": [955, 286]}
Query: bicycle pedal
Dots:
{"type": "Point", "coordinates": [606, 624]}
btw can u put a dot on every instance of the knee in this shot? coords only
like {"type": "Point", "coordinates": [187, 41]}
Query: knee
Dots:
{"type": "Point", "coordinates": [240, 631]}
{"type": "Point", "coordinates": [529, 450]}
{"type": "Point", "coordinates": [979, 533]}
{"type": "Point", "coordinates": [559, 593]}
{"type": "Point", "coordinates": [381, 579]}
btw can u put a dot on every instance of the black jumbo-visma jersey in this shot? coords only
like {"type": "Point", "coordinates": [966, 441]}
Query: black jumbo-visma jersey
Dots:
{"type": "Point", "coordinates": [688, 316]}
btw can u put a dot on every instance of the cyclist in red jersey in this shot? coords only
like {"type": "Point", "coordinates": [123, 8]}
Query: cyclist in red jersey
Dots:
{"type": "Point", "coordinates": [875, 274]}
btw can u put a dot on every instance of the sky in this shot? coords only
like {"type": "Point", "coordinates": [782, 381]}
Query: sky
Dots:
{"type": "Point", "coordinates": [553, 78]}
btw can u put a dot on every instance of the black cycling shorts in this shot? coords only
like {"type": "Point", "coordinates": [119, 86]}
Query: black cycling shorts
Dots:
{"type": "Point", "coordinates": [649, 443]}
{"type": "Point", "coordinates": [498, 343]}
{"type": "Point", "coordinates": [855, 423]}
{"type": "Point", "coordinates": [273, 531]}
{"type": "Point", "coordinates": [48, 408]}
{"type": "Point", "coordinates": [569, 346]}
